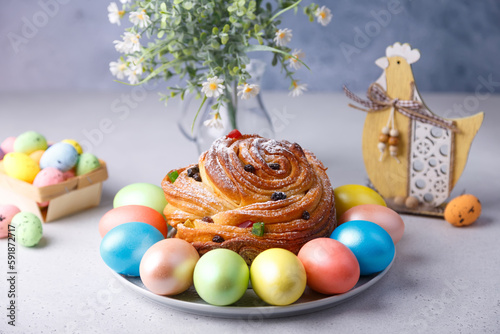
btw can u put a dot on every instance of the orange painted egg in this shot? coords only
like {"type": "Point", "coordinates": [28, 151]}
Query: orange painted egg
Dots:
{"type": "Point", "coordinates": [132, 213]}
{"type": "Point", "coordinates": [462, 210]}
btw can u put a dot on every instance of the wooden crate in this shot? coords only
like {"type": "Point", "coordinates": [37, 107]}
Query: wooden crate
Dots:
{"type": "Point", "coordinates": [65, 198]}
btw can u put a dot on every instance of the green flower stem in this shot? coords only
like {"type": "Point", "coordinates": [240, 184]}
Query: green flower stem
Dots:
{"type": "Point", "coordinates": [232, 105]}
{"type": "Point", "coordinates": [198, 112]}
{"type": "Point", "coordinates": [284, 10]}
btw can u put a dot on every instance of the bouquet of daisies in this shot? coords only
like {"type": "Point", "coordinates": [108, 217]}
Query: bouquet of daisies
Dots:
{"type": "Point", "coordinates": [204, 43]}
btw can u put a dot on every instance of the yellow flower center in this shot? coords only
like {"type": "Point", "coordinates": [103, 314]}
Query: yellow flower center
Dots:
{"type": "Point", "coordinates": [294, 84]}
{"type": "Point", "coordinates": [248, 89]}
{"type": "Point", "coordinates": [140, 17]}
{"type": "Point", "coordinates": [121, 13]}
{"type": "Point", "coordinates": [212, 86]}
{"type": "Point", "coordinates": [282, 35]}
{"type": "Point", "coordinates": [122, 67]}
{"type": "Point", "coordinates": [322, 15]}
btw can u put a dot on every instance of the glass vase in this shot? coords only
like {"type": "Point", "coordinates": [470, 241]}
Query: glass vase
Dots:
{"type": "Point", "coordinates": [248, 116]}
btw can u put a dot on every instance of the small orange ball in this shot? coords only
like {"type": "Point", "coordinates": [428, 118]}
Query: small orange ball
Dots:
{"type": "Point", "coordinates": [462, 210]}
{"type": "Point", "coordinates": [383, 138]}
{"type": "Point", "coordinates": [393, 141]}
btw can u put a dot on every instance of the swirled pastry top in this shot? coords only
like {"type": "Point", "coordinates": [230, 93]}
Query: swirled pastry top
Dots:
{"type": "Point", "coordinates": [251, 179]}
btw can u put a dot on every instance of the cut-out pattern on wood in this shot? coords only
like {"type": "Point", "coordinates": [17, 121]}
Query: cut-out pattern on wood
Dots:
{"type": "Point", "coordinates": [430, 163]}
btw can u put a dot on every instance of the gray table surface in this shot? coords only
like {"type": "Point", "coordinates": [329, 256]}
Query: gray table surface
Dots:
{"type": "Point", "coordinates": [444, 279]}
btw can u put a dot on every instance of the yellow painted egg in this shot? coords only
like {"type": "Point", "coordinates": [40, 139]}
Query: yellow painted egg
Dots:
{"type": "Point", "coordinates": [463, 210]}
{"type": "Point", "coordinates": [20, 166]}
{"type": "Point", "coordinates": [75, 144]}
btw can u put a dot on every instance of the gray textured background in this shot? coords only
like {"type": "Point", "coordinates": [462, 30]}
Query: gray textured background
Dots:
{"type": "Point", "coordinates": [72, 45]}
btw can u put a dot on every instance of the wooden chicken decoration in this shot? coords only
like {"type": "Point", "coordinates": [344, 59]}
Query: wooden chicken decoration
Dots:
{"type": "Point", "coordinates": [413, 157]}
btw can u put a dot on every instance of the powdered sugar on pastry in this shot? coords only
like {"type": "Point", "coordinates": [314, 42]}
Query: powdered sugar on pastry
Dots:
{"type": "Point", "coordinates": [252, 179]}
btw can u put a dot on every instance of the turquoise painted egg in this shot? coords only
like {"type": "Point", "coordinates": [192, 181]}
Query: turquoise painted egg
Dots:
{"type": "Point", "coordinates": [123, 247]}
{"type": "Point", "coordinates": [370, 243]}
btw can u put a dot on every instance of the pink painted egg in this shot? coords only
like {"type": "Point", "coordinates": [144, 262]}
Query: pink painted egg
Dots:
{"type": "Point", "coordinates": [7, 145]}
{"type": "Point", "coordinates": [386, 218]}
{"type": "Point", "coordinates": [47, 177]}
{"type": "Point", "coordinates": [69, 174]}
{"type": "Point", "coordinates": [7, 212]}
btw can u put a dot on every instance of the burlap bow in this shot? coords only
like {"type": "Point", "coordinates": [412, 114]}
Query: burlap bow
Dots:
{"type": "Point", "coordinates": [378, 100]}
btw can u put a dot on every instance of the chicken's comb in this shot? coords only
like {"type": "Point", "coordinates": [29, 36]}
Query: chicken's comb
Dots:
{"type": "Point", "coordinates": [403, 50]}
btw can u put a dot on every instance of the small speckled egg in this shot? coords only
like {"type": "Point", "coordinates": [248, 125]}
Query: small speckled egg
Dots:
{"type": "Point", "coordinates": [463, 210]}
{"type": "Point", "coordinates": [29, 142]}
{"type": "Point", "coordinates": [62, 156]}
{"type": "Point", "coordinates": [87, 163]}
{"type": "Point", "coordinates": [7, 212]}
{"type": "Point", "coordinates": [20, 166]}
{"type": "Point", "coordinates": [7, 145]}
{"type": "Point", "coordinates": [69, 174]}
{"type": "Point", "coordinates": [27, 229]}
{"type": "Point", "coordinates": [141, 194]}
{"type": "Point", "coordinates": [47, 177]}
{"type": "Point", "coordinates": [75, 144]}
{"type": "Point", "coordinates": [37, 155]}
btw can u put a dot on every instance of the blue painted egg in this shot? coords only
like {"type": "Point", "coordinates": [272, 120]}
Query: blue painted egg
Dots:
{"type": "Point", "coordinates": [370, 243]}
{"type": "Point", "coordinates": [123, 246]}
{"type": "Point", "coordinates": [62, 156]}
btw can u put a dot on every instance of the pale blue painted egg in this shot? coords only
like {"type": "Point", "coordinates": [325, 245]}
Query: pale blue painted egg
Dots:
{"type": "Point", "coordinates": [62, 156]}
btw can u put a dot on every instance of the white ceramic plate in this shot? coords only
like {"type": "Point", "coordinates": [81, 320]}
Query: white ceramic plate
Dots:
{"type": "Point", "coordinates": [250, 306]}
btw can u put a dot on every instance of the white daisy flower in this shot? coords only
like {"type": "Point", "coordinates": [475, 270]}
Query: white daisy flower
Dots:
{"type": "Point", "coordinates": [323, 15]}
{"type": "Point", "coordinates": [248, 90]}
{"type": "Point", "coordinates": [283, 37]}
{"type": "Point", "coordinates": [114, 14]}
{"type": "Point", "coordinates": [294, 63]}
{"type": "Point", "coordinates": [298, 89]}
{"type": "Point", "coordinates": [140, 18]}
{"type": "Point", "coordinates": [125, 1]}
{"type": "Point", "coordinates": [214, 122]}
{"type": "Point", "coordinates": [135, 63]}
{"type": "Point", "coordinates": [213, 87]}
{"type": "Point", "coordinates": [129, 44]}
{"type": "Point", "coordinates": [118, 68]}
{"type": "Point", "coordinates": [133, 75]}
{"type": "Point", "coordinates": [134, 69]}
